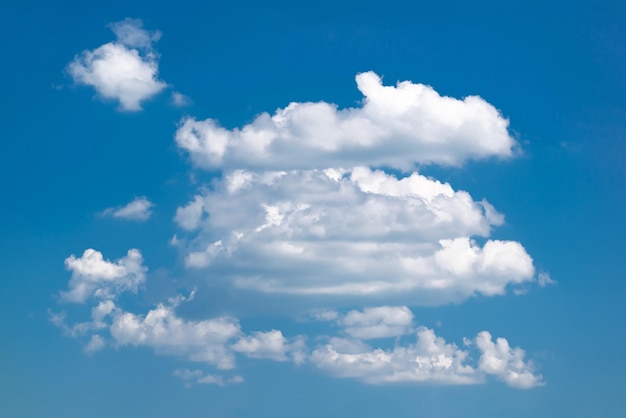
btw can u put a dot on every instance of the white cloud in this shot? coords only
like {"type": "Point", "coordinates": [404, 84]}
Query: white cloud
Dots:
{"type": "Point", "coordinates": [395, 127]}
{"type": "Point", "coordinates": [161, 329]}
{"type": "Point", "coordinates": [350, 232]}
{"type": "Point", "coordinates": [199, 377]}
{"type": "Point", "coordinates": [96, 343]}
{"type": "Point", "coordinates": [506, 363]}
{"type": "Point", "coordinates": [188, 217]}
{"type": "Point", "coordinates": [139, 209]}
{"type": "Point", "coordinates": [378, 322]}
{"type": "Point", "coordinates": [544, 279]}
{"type": "Point", "coordinates": [125, 70]}
{"type": "Point", "coordinates": [269, 345]}
{"type": "Point", "coordinates": [430, 360]}
{"type": "Point", "coordinates": [92, 275]}
{"type": "Point", "coordinates": [180, 100]}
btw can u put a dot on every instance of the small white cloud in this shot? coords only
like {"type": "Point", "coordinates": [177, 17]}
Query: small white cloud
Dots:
{"type": "Point", "coordinates": [125, 70]}
{"type": "Point", "coordinates": [139, 209]}
{"type": "Point", "coordinates": [506, 363]}
{"type": "Point", "coordinates": [186, 374]}
{"type": "Point", "coordinates": [180, 100]}
{"type": "Point", "coordinates": [378, 322]}
{"type": "Point", "coordinates": [544, 279]}
{"type": "Point", "coordinates": [397, 126]}
{"type": "Point", "coordinates": [212, 380]}
{"type": "Point", "coordinates": [96, 343]}
{"type": "Point", "coordinates": [236, 379]}
{"type": "Point", "coordinates": [92, 275]}
{"type": "Point", "coordinates": [188, 217]}
{"type": "Point", "coordinates": [270, 345]}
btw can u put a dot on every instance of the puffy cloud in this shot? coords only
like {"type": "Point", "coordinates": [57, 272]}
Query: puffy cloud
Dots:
{"type": "Point", "coordinates": [180, 100]}
{"type": "Point", "coordinates": [430, 360]}
{"type": "Point", "coordinates": [350, 232]}
{"type": "Point", "coordinates": [395, 127]}
{"type": "Point", "coordinates": [139, 209]}
{"type": "Point", "coordinates": [506, 363]}
{"type": "Point", "coordinates": [125, 70]}
{"type": "Point", "coordinates": [269, 345]}
{"type": "Point", "coordinates": [378, 322]}
{"type": "Point", "coordinates": [92, 275]}
{"type": "Point", "coordinates": [161, 329]}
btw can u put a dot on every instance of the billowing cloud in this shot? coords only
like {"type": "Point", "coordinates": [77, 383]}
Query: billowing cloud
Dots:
{"type": "Point", "coordinates": [507, 363]}
{"type": "Point", "coordinates": [430, 360]}
{"type": "Point", "coordinates": [349, 232]}
{"type": "Point", "coordinates": [216, 342]}
{"type": "Point", "coordinates": [162, 330]}
{"type": "Point", "coordinates": [92, 275]}
{"type": "Point", "coordinates": [125, 70]}
{"type": "Point", "coordinates": [139, 209]}
{"type": "Point", "coordinates": [395, 127]}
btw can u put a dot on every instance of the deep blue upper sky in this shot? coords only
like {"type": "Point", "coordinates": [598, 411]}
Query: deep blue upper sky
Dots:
{"type": "Point", "coordinates": [555, 71]}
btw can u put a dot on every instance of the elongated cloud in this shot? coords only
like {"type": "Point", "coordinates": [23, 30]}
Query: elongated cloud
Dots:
{"type": "Point", "coordinates": [139, 209]}
{"type": "Point", "coordinates": [356, 232]}
{"type": "Point", "coordinates": [125, 70]}
{"type": "Point", "coordinates": [429, 360]}
{"type": "Point", "coordinates": [395, 127]}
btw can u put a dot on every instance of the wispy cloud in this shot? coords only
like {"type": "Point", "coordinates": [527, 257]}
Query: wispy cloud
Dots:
{"type": "Point", "coordinates": [139, 209]}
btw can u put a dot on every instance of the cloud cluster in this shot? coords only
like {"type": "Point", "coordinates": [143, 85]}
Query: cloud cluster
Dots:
{"type": "Point", "coordinates": [394, 127]}
{"type": "Point", "coordinates": [315, 200]}
{"type": "Point", "coordinates": [216, 342]}
{"type": "Point", "coordinates": [429, 360]}
{"type": "Point", "coordinates": [125, 70]}
{"type": "Point", "coordinates": [358, 232]}
{"type": "Point", "coordinates": [139, 209]}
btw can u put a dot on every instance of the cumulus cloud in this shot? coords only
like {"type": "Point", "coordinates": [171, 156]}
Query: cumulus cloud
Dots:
{"type": "Point", "coordinates": [349, 232]}
{"type": "Point", "coordinates": [430, 360]}
{"type": "Point", "coordinates": [139, 209]}
{"type": "Point", "coordinates": [125, 70]}
{"type": "Point", "coordinates": [378, 322]}
{"type": "Point", "coordinates": [93, 276]}
{"type": "Point", "coordinates": [507, 363]}
{"type": "Point", "coordinates": [270, 345]}
{"type": "Point", "coordinates": [161, 329]}
{"type": "Point", "coordinates": [394, 127]}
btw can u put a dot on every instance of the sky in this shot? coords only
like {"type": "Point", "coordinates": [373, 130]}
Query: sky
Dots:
{"type": "Point", "coordinates": [342, 209]}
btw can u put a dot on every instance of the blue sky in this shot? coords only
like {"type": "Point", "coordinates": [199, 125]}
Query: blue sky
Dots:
{"type": "Point", "coordinates": [340, 209]}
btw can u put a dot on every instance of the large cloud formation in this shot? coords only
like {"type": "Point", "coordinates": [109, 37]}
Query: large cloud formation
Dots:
{"type": "Point", "coordinates": [395, 127]}
{"type": "Point", "coordinates": [216, 342]}
{"type": "Point", "coordinates": [310, 202]}
{"type": "Point", "coordinates": [125, 70]}
{"type": "Point", "coordinates": [357, 232]}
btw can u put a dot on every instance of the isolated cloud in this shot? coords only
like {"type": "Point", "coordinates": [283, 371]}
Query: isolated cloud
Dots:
{"type": "Point", "coordinates": [125, 70]}
{"type": "Point", "coordinates": [430, 360]}
{"type": "Point", "coordinates": [92, 275]}
{"type": "Point", "coordinates": [139, 209]}
{"type": "Point", "coordinates": [395, 127]}
{"type": "Point", "coordinates": [349, 232]}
